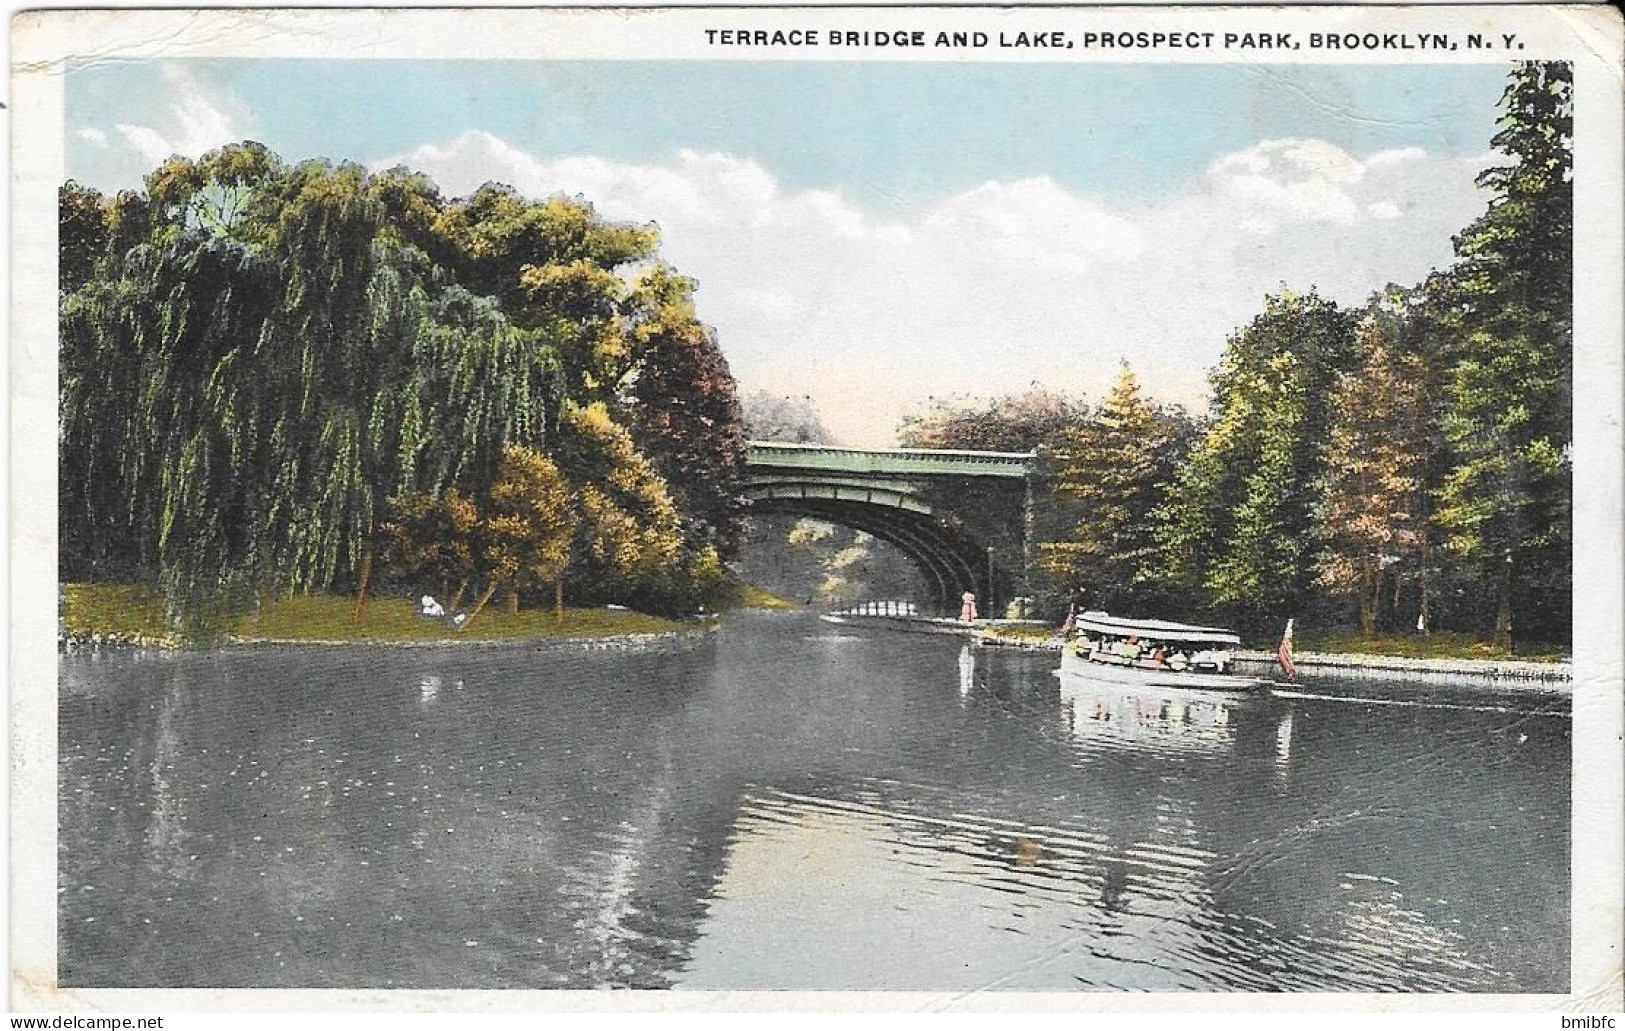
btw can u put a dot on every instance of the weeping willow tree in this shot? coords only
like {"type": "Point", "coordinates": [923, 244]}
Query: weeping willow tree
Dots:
{"type": "Point", "coordinates": [255, 356]}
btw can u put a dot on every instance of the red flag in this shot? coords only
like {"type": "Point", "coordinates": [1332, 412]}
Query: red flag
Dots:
{"type": "Point", "coordinates": [1071, 614]}
{"type": "Point", "coordinates": [1284, 654]}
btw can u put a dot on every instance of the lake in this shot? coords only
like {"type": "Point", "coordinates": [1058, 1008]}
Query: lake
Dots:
{"type": "Point", "coordinates": [792, 804]}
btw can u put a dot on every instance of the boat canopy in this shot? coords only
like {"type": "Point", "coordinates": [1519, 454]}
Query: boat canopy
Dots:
{"type": "Point", "coordinates": [1154, 629]}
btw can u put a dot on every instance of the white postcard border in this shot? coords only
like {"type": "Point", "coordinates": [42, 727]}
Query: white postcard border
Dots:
{"type": "Point", "coordinates": [1588, 36]}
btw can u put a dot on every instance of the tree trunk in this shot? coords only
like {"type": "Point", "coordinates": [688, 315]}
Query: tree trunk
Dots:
{"type": "Point", "coordinates": [457, 598]}
{"type": "Point", "coordinates": [558, 598]}
{"type": "Point", "coordinates": [480, 604]}
{"type": "Point", "coordinates": [1370, 598]}
{"type": "Point", "coordinates": [361, 591]}
{"type": "Point", "coordinates": [1503, 607]}
{"type": "Point", "coordinates": [1423, 620]}
{"type": "Point", "coordinates": [513, 599]}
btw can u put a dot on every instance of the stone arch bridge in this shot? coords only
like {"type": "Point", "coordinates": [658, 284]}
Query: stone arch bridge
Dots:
{"type": "Point", "coordinates": [963, 517]}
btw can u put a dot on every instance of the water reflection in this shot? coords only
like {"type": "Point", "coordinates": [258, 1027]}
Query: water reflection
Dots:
{"type": "Point", "coordinates": [1169, 721]}
{"type": "Point", "coordinates": [788, 806]}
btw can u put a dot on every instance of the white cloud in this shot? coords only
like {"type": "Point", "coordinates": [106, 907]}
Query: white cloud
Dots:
{"type": "Point", "coordinates": [196, 119]}
{"type": "Point", "coordinates": [95, 137]}
{"type": "Point", "coordinates": [993, 288]}
{"type": "Point", "coordinates": [1036, 222]}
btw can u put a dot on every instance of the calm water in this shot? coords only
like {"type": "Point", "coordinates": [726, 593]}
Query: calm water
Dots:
{"type": "Point", "coordinates": [793, 805]}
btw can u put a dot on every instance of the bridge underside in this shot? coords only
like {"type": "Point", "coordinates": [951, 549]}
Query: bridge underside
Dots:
{"type": "Point", "coordinates": [951, 562]}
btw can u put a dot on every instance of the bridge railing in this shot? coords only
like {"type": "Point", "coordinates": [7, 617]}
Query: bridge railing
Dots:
{"type": "Point", "coordinates": [897, 461]}
{"type": "Point", "coordinates": [881, 608]}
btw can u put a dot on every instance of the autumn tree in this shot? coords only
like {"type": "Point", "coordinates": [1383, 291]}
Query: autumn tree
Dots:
{"type": "Point", "coordinates": [1373, 513]}
{"type": "Point", "coordinates": [1019, 422]}
{"type": "Point", "coordinates": [1114, 469]}
{"type": "Point", "coordinates": [627, 529]}
{"type": "Point", "coordinates": [526, 528]}
{"type": "Point", "coordinates": [429, 538]}
{"type": "Point", "coordinates": [683, 408]}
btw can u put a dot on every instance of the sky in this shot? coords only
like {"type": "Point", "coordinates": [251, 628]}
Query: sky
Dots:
{"type": "Point", "coordinates": [874, 235]}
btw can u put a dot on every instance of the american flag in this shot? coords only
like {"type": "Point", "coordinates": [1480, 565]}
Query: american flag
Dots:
{"type": "Point", "coordinates": [1071, 619]}
{"type": "Point", "coordinates": [1284, 653]}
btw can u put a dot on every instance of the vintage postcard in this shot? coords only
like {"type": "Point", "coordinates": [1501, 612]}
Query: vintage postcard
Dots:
{"type": "Point", "coordinates": [957, 507]}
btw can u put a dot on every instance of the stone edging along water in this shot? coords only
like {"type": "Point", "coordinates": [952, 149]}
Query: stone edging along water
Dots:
{"type": "Point", "coordinates": [1507, 672]}
{"type": "Point", "coordinates": [585, 642]}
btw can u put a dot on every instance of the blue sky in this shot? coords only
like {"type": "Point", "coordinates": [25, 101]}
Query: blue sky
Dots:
{"type": "Point", "coordinates": [873, 234]}
{"type": "Point", "coordinates": [887, 132]}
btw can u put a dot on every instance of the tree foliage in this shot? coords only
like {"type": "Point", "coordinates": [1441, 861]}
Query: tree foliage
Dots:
{"type": "Point", "coordinates": [1505, 501]}
{"type": "Point", "coordinates": [256, 356]}
{"type": "Point", "coordinates": [1019, 422]}
{"type": "Point", "coordinates": [1374, 511]}
{"type": "Point", "coordinates": [1238, 523]}
{"type": "Point", "coordinates": [787, 420]}
{"type": "Point", "coordinates": [683, 409]}
{"type": "Point", "coordinates": [1112, 469]}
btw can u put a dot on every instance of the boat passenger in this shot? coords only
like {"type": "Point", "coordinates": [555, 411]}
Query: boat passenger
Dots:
{"type": "Point", "coordinates": [1179, 661]}
{"type": "Point", "coordinates": [1130, 649]}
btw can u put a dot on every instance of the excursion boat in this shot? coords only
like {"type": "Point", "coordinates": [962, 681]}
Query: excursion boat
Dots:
{"type": "Point", "coordinates": [1152, 653]}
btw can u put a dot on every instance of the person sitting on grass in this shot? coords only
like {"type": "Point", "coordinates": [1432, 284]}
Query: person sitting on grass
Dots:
{"type": "Point", "coordinates": [428, 608]}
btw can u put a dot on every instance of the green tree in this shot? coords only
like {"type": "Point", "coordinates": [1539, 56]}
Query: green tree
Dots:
{"type": "Point", "coordinates": [83, 234]}
{"type": "Point", "coordinates": [551, 266]}
{"type": "Point", "coordinates": [1239, 522]}
{"type": "Point", "coordinates": [1505, 504]}
{"type": "Point", "coordinates": [256, 356]}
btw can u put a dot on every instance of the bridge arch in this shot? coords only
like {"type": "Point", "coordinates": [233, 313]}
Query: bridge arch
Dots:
{"type": "Point", "coordinates": [901, 496]}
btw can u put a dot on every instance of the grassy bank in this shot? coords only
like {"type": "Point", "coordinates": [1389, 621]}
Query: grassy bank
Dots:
{"type": "Point", "coordinates": [754, 597]}
{"type": "Point", "coordinates": [1437, 645]}
{"type": "Point", "coordinates": [123, 612]}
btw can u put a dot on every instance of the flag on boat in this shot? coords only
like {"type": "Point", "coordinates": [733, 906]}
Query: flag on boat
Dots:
{"type": "Point", "coordinates": [1071, 620]}
{"type": "Point", "coordinates": [1284, 654]}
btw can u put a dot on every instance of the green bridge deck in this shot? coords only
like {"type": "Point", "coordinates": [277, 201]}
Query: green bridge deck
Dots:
{"type": "Point", "coordinates": [889, 462]}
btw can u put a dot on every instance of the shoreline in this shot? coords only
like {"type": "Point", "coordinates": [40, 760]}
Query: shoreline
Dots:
{"type": "Point", "coordinates": [68, 644]}
{"type": "Point", "coordinates": [1519, 673]}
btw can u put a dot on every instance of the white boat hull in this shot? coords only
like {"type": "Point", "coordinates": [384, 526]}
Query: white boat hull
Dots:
{"type": "Point", "coordinates": [1074, 665]}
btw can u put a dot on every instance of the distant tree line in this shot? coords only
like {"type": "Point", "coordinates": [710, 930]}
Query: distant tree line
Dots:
{"type": "Point", "coordinates": [1402, 466]}
{"type": "Point", "coordinates": [299, 377]}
